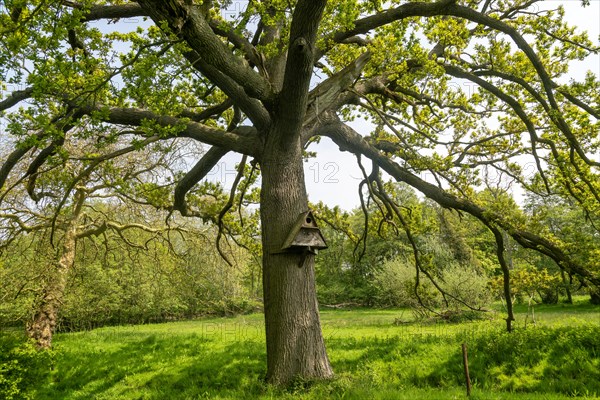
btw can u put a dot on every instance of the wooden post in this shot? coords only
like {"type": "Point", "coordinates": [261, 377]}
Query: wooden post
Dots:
{"type": "Point", "coordinates": [466, 365]}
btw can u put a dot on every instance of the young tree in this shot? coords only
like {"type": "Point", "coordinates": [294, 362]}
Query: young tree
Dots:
{"type": "Point", "coordinates": [190, 72]}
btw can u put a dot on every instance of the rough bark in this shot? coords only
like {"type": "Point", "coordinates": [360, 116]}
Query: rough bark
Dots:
{"type": "Point", "coordinates": [42, 325]}
{"type": "Point", "coordinates": [295, 346]}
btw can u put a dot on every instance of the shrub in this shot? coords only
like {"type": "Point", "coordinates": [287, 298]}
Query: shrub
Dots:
{"type": "Point", "coordinates": [531, 284]}
{"type": "Point", "coordinates": [467, 285]}
{"type": "Point", "coordinates": [234, 306]}
{"type": "Point", "coordinates": [395, 282]}
{"type": "Point", "coordinates": [22, 367]}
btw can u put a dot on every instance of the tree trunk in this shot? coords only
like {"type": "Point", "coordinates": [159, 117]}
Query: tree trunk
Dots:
{"type": "Point", "coordinates": [567, 286]}
{"type": "Point", "coordinates": [501, 240]}
{"type": "Point", "coordinates": [295, 346]}
{"type": "Point", "coordinates": [42, 325]}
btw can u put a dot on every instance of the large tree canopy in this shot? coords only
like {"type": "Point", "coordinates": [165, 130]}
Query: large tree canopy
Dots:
{"type": "Point", "coordinates": [282, 74]}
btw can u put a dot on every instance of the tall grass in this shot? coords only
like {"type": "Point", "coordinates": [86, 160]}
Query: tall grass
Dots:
{"type": "Point", "coordinates": [224, 358]}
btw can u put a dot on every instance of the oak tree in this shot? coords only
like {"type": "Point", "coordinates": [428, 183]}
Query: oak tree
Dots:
{"type": "Point", "coordinates": [280, 74]}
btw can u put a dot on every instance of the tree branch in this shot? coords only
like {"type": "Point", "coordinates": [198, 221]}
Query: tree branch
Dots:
{"type": "Point", "coordinates": [242, 140]}
{"type": "Point", "coordinates": [128, 10]}
{"type": "Point", "coordinates": [326, 93]}
{"type": "Point", "coordinates": [253, 108]}
{"type": "Point", "coordinates": [450, 8]}
{"type": "Point", "coordinates": [349, 140]}
{"type": "Point", "coordinates": [228, 206]}
{"type": "Point", "coordinates": [199, 171]}
{"type": "Point", "coordinates": [63, 123]}
{"type": "Point", "coordinates": [15, 97]}
{"type": "Point", "coordinates": [299, 67]}
{"type": "Point", "coordinates": [188, 22]}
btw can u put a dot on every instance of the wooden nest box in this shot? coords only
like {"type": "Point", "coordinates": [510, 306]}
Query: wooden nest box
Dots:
{"type": "Point", "coordinates": [305, 236]}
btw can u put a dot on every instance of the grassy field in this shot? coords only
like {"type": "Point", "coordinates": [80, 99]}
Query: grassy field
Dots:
{"type": "Point", "coordinates": [373, 358]}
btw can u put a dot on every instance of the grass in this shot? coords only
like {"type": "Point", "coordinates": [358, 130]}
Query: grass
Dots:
{"type": "Point", "coordinates": [224, 358]}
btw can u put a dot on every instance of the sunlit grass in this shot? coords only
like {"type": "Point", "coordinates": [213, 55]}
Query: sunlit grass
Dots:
{"type": "Point", "coordinates": [224, 358]}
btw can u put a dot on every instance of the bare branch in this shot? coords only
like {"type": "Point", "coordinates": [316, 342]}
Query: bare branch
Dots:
{"type": "Point", "coordinates": [228, 206]}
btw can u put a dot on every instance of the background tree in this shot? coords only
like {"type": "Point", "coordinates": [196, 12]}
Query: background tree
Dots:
{"type": "Point", "coordinates": [574, 228]}
{"type": "Point", "coordinates": [188, 72]}
{"type": "Point", "coordinates": [60, 219]}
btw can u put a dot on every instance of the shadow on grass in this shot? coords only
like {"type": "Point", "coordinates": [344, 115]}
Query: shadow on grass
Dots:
{"type": "Point", "coordinates": [236, 370]}
{"type": "Point", "coordinates": [350, 354]}
{"type": "Point", "coordinates": [154, 367]}
{"type": "Point", "coordinates": [393, 362]}
{"type": "Point", "coordinates": [544, 360]}
{"type": "Point", "coordinates": [193, 366]}
{"type": "Point", "coordinates": [230, 363]}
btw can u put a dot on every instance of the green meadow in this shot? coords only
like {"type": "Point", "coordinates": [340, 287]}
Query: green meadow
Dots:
{"type": "Point", "coordinates": [377, 354]}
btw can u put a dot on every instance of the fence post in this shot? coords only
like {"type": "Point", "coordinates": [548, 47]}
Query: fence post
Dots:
{"type": "Point", "coordinates": [466, 365]}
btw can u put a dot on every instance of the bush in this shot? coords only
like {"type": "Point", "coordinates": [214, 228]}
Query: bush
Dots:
{"type": "Point", "coordinates": [549, 296]}
{"type": "Point", "coordinates": [235, 306]}
{"type": "Point", "coordinates": [529, 283]}
{"type": "Point", "coordinates": [459, 316]}
{"type": "Point", "coordinates": [395, 282]}
{"type": "Point", "coordinates": [467, 285]}
{"type": "Point", "coordinates": [22, 367]}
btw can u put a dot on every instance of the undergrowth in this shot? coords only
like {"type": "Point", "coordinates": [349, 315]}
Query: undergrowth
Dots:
{"type": "Point", "coordinates": [22, 367]}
